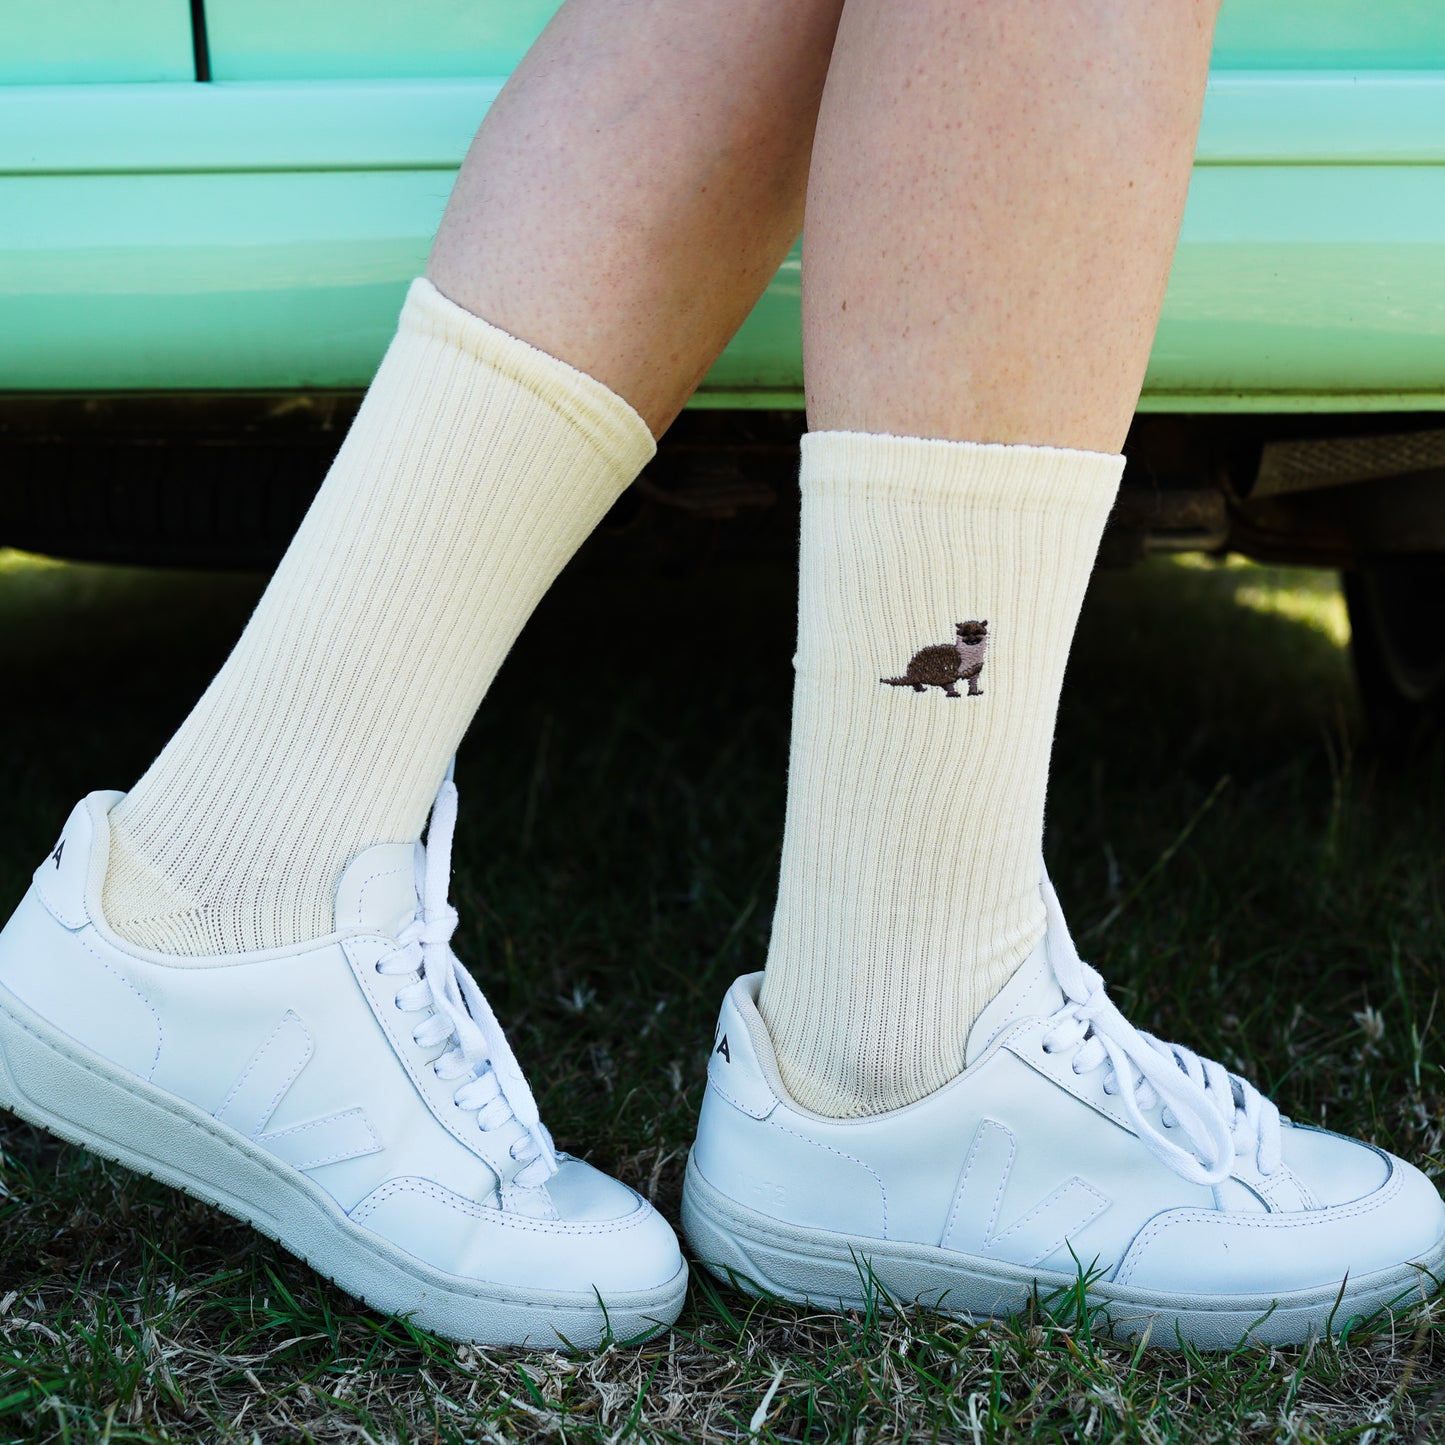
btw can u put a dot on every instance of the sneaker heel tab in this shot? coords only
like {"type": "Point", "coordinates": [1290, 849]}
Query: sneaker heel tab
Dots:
{"type": "Point", "coordinates": [377, 892]}
{"type": "Point", "coordinates": [741, 1066]}
{"type": "Point", "coordinates": [72, 874]}
{"type": "Point", "coordinates": [1032, 991]}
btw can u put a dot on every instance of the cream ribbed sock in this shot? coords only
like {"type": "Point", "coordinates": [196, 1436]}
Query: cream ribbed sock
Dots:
{"type": "Point", "coordinates": [910, 873]}
{"type": "Point", "coordinates": [474, 469]}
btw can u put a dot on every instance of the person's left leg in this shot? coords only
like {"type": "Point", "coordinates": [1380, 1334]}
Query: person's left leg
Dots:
{"type": "Point", "coordinates": [992, 209]}
{"type": "Point", "coordinates": [238, 978]}
{"type": "Point", "coordinates": [927, 1081]}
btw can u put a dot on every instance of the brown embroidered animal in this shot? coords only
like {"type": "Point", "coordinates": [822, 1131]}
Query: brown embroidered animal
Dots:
{"type": "Point", "coordinates": [948, 663]}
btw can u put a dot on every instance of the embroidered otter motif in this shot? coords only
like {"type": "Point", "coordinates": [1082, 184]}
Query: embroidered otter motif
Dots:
{"type": "Point", "coordinates": [948, 663]}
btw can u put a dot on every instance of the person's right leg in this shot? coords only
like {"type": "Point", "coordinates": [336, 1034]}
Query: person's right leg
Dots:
{"type": "Point", "coordinates": [927, 1081]}
{"type": "Point", "coordinates": [631, 192]}
{"type": "Point", "coordinates": [237, 978]}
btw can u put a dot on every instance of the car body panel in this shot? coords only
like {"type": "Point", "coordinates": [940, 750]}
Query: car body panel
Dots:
{"type": "Point", "coordinates": [259, 233]}
{"type": "Point", "coordinates": [348, 39]}
{"type": "Point", "coordinates": [1329, 35]}
{"type": "Point", "coordinates": [79, 42]}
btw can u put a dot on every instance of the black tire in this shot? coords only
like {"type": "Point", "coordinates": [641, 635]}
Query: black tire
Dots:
{"type": "Point", "coordinates": [1397, 638]}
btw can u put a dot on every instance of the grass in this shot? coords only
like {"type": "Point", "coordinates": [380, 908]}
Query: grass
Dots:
{"type": "Point", "coordinates": [1246, 876]}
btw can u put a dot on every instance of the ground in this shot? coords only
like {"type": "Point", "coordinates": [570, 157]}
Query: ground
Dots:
{"type": "Point", "coordinates": [1247, 876]}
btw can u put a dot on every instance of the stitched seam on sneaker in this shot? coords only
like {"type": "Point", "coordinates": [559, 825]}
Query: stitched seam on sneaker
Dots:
{"type": "Point", "coordinates": [70, 922]}
{"type": "Point", "coordinates": [1013, 1016]}
{"type": "Point", "coordinates": [361, 894]}
{"type": "Point", "coordinates": [877, 1178]}
{"type": "Point", "coordinates": [180, 1110]}
{"type": "Point", "coordinates": [1335, 1214]}
{"type": "Point", "coordinates": [251, 1064]}
{"type": "Point", "coordinates": [1270, 1188]}
{"type": "Point", "coordinates": [962, 1185]}
{"type": "Point", "coordinates": [125, 982]}
{"type": "Point", "coordinates": [1108, 1111]}
{"type": "Point", "coordinates": [1103, 1200]}
{"type": "Point", "coordinates": [739, 1105]}
{"type": "Point", "coordinates": [1306, 1194]}
{"type": "Point", "coordinates": [297, 1129]}
{"type": "Point", "coordinates": [581, 1228]}
{"type": "Point", "coordinates": [290, 1078]}
{"type": "Point", "coordinates": [305, 1164]}
{"type": "Point", "coordinates": [295, 1073]}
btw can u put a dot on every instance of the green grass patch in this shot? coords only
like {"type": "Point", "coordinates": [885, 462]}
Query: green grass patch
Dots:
{"type": "Point", "coordinates": [1250, 881]}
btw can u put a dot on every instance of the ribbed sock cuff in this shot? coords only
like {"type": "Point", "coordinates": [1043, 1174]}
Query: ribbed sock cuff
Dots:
{"type": "Point", "coordinates": [873, 464]}
{"type": "Point", "coordinates": [614, 428]}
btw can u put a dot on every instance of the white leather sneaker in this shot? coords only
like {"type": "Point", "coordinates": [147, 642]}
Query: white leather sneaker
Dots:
{"type": "Point", "coordinates": [1070, 1142]}
{"type": "Point", "coordinates": [353, 1098]}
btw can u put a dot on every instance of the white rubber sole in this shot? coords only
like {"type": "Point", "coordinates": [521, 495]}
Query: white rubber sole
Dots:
{"type": "Point", "coordinates": [50, 1080]}
{"type": "Point", "coordinates": [821, 1268]}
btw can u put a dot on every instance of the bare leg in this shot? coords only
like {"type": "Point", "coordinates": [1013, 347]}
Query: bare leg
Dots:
{"type": "Point", "coordinates": [993, 206]}
{"type": "Point", "coordinates": [637, 183]}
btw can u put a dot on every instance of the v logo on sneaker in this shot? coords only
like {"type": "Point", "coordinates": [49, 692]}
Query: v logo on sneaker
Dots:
{"type": "Point", "coordinates": [1040, 1231]}
{"type": "Point", "coordinates": [265, 1082]}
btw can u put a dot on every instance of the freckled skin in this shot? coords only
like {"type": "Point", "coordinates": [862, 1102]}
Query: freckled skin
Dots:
{"type": "Point", "coordinates": [992, 201]}
{"type": "Point", "coordinates": [995, 194]}
{"type": "Point", "coordinates": [637, 184]}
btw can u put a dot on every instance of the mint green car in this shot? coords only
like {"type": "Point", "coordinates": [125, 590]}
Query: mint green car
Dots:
{"type": "Point", "coordinates": [209, 212]}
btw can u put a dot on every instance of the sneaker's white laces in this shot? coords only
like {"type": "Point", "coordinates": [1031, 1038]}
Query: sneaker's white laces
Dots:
{"type": "Point", "coordinates": [1221, 1114]}
{"type": "Point", "coordinates": [478, 1056]}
